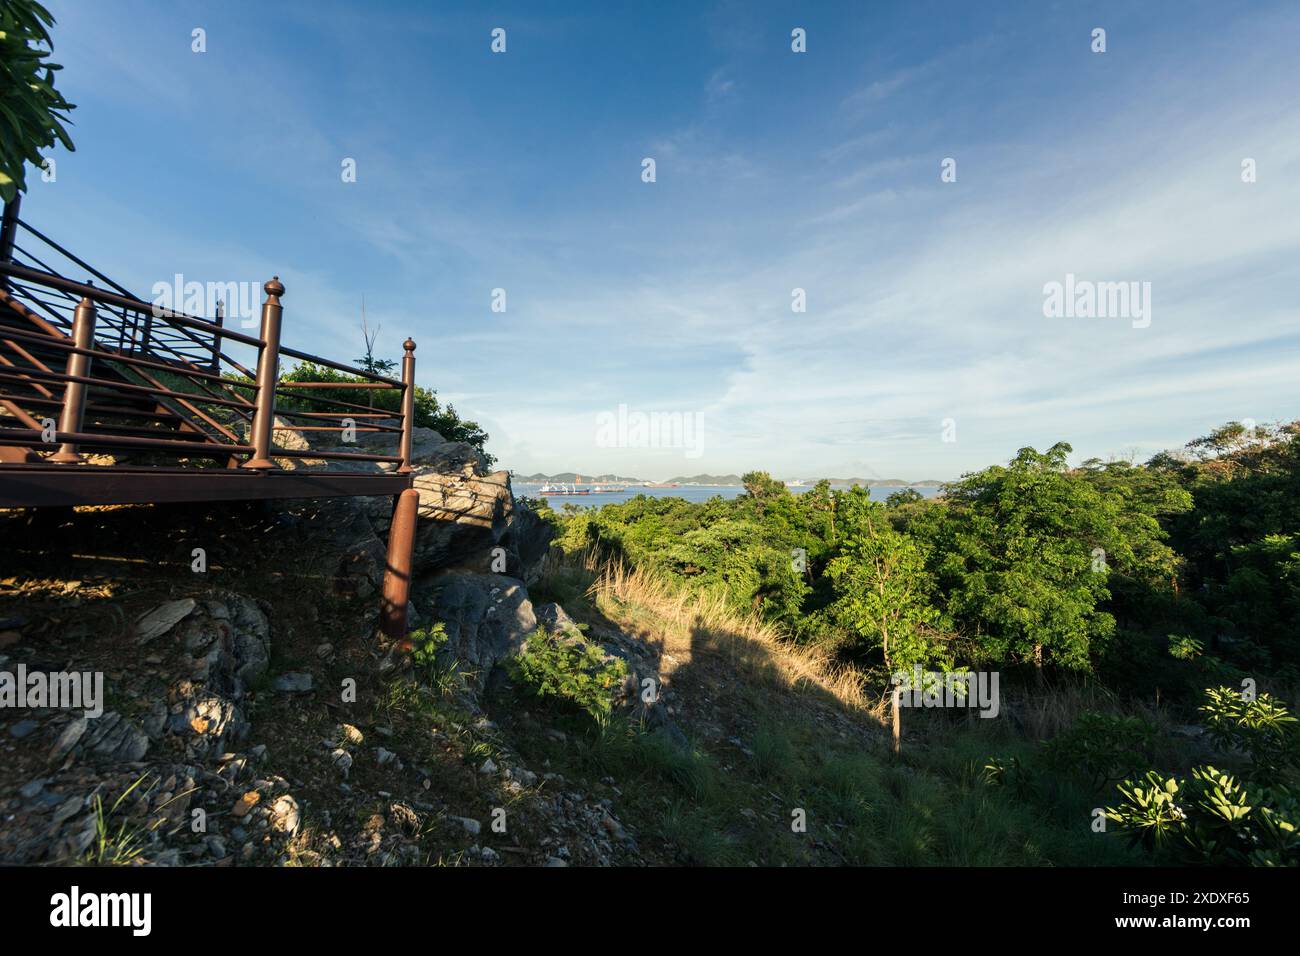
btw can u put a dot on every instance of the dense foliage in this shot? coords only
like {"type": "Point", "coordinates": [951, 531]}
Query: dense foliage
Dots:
{"type": "Point", "coordinates": [32, 111]}
{"type": "Point", "coordinates": [1249, 815]}
{"type": "Point", "coordinates": [569, 672]}
{"type": "Point", "coordinates": [1170, 573]}
{"type": "Point", "coordinates": [1144, 584]}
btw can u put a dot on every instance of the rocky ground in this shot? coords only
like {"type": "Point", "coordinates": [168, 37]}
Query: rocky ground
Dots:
{"type": "Point", "coordinates": [251, 714]}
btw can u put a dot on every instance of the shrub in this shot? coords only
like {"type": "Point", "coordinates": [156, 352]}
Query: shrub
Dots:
{"type": "Point", "coordinates": [1102, 746]}
{"type": "Point", "coordinates": [1219, 818]}
{"type": "Point", "coordinates": [1261, 727]}
{"type": "Point", "coordinates": [1212, 820]}
{"type": "Point", "coordinates": [569, 671]}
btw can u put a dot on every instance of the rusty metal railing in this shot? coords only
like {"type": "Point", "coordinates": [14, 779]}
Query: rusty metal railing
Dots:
{"type": "Point", "coordinates": [88, 367]}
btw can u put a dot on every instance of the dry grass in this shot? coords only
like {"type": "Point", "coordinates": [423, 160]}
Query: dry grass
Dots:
{"type": "Point", "coordinates": [688, 624]}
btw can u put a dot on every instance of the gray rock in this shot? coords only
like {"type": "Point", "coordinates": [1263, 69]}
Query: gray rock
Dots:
{"type": "Point", "coordinates": [22, 729]}
{"type": "Point", "coordinates": [525, 777]}
{"type": "Point", "coordinates": [342, 761]}
{"type": "Point", "coordinates": [342, 537]}
{"type": "Point", "coordinates": [285, 816]}
{"type": "Point", "coordinates": [70, 737]}
{"type": "Point", "coordinates": [68, 809]}
{"type": "Point", "coordinates": [470, 825]}
{"type": "Point", "coordinates": [556, 620]}
{"type": "Point", "coordinates": [113, 738]}
{"type": "Point", "coordinates": [209, 723]}
{"type": "Point", "coordinates": [531, 537]}
{"type": "Point", "coordinates": [162, 619]}
{"type": "Point", "coordinates": [487, 617]}
{"type": "Point", "coordinates": [294, 682]}
{"type": "Point", "coordinates": [462, 518]}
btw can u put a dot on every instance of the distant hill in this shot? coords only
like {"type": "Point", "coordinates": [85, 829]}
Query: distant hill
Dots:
{"type": "Point", "coordinates": [705, 480]}
{"type": "Point", "coordinates": [569, 477]}
{"type": "Point", "coordinates": [875, 483]}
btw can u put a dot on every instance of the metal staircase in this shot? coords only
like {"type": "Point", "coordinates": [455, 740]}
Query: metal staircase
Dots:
{"type": "Point", "coordinates": [108, 399]}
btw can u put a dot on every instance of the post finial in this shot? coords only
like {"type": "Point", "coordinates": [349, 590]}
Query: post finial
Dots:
{"type": "Point", "coordinates": [409, 345]}
{"type": "Point", "coordinates": [275, 287]}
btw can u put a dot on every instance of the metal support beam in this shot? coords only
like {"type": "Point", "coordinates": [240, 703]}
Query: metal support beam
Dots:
{"type": "Point", "coordinates": [397, 573]}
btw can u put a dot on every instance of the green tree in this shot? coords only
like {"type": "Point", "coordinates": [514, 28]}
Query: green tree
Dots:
{"type": "Point", "coordinates": [882, 587]}
{"type": "Point", "coordinates": [32, 111]}
{"type": "Point", "coordinates": [762, 486]}
{"type": "Point", "coordinates": [1024, 560]}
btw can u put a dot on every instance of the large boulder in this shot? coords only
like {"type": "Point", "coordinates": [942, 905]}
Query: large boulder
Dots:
{"type": "Point", "coordinates": [529, 539]}
{"type": "Point", "coordinates": [342, 535]}
{"type": "Point", "coordinates": [429, 450]}
{"type": "Point", "coordinates": [487, 616]}
{"type": "Point", "coordinates": [463, 519]}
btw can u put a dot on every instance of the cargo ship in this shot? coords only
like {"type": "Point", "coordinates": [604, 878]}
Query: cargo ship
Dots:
{"type": "Point", "coordinates": [561, 489]}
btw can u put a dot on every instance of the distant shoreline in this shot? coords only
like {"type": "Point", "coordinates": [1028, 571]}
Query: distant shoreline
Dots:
{"type": "Point", "coordinates": [716, 481]}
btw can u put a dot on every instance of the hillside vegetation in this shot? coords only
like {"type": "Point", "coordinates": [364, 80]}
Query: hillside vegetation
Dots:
{"type": "Point", "coordinates": [1142, 618]}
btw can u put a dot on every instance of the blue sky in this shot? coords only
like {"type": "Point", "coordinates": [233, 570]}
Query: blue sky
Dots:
{"type": "Point", "coordinates": [775, 171]}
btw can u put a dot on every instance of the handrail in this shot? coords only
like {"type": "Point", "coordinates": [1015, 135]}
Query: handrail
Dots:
{"type": "Point", "coordinates": [59, 249]}
{"type": "Point", "coordinates": [135, 338]}
{"type": "Point", "coordinates": [122, 301]}
{"type": "Point", "coordinates": [340, 367]}
{"type": "Point", "coordinates": [34, 436]}
{"type": "Point", "coordinates": [113, 356]}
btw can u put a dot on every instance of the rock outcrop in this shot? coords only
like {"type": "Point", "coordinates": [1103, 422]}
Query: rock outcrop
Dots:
{"type": "Point", "coordinates": [463, 520]}
{"type": "Point", "coordinates": [177, 753]}
{"type": "Point", "coordinates": [487, 616]}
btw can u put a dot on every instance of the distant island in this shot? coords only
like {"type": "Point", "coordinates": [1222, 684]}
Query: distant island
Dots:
{"type": "Point", "coordinates": [726, 481]}
{"type": "Point", "coordinates": [571, 477]}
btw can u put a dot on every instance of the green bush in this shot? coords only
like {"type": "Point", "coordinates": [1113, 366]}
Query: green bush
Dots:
{"type": "Point", "coordinates": [1212, 820]}
{"type": "Point", "coordinates": [1216, 817]}
{"type": "Point", "coordinates": [1101, 746]}
{"type": "Point", "coordinates": [571, 672]}
{"type": "Point", "coordinates": [1261, 727]}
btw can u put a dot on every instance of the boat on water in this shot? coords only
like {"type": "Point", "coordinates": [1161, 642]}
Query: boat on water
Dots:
{"type": "Point", "coordinates": [562, 489]}
{"type": "Point", "coordinates": [661, 484]}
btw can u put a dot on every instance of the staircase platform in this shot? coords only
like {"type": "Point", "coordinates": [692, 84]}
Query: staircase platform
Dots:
{"type": "Point", "coordinates": [42, 485]}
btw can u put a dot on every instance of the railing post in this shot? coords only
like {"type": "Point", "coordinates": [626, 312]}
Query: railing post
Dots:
{"type": "Point", "coordinates": [215, 367]}
{"type": "Point", "coordinates": [74, 393]}
{"type": "Point", "coordinates": [268, 376]}
{"type": "Point", "coordinates": [408, 404]}
{"type": "Point", "coordinates": [9, 229]}
{"type": "Point", "coordinates": [397, 572]}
